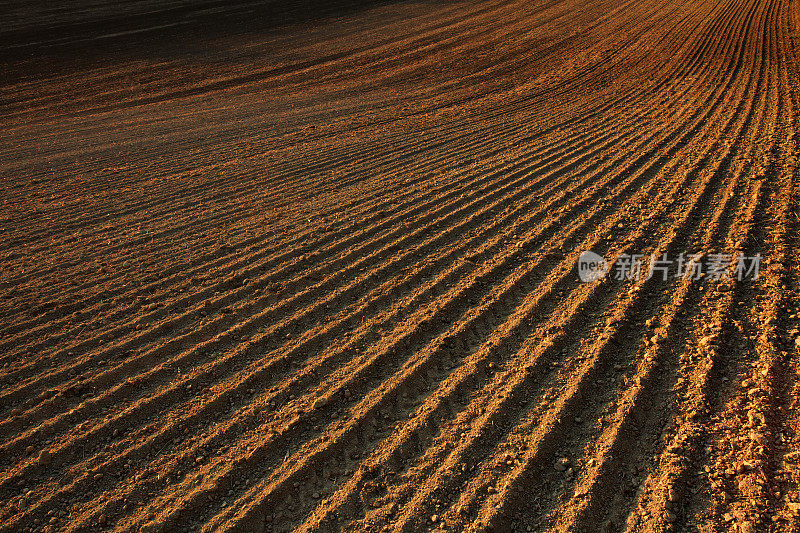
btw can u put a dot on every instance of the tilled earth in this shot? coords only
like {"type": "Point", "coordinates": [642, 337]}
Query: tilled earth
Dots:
{"type": "Point", "coordinates": [316, 268]}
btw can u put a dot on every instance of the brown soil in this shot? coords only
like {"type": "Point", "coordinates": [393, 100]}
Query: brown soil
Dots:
{"type": "Point", "coordinates": [315, 269]}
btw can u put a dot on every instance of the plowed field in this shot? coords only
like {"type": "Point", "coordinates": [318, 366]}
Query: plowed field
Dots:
{"type": "Point", "coordinates": [315, 267]}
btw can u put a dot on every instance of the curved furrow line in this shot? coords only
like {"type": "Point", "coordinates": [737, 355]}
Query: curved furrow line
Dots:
{"type": "Point", "coordinates": [615, 60]}
{"type": "Point", "coordinates": [518, 193]}
{"type": "Point", "coordinates": [508, 217]}
{"type": "Point", "coordinates": [490, 511]}
{"type": "Point", "coordinates": [672, 482]}
{"type": "Point", "coordinates": [399, 217]}
{"type": "Point", "coordinates": [196, 265]}
{"type": "Point", "coordinates": [180, 195]}
{"type": "Point", "coordinates": [385, 223]}
{"type": "Point", "coordinates": [661, 494]}
{"type": "Point", "coordinates": [666, 496]}
{"type": "Point", "coordinates": [751, 487]}
{"type": "Point", "coordinates": [503, 404]}
{"type": "Point", "coordinates": [456, 439]}
{"type": "Point", "coordinates": [535, 366]}
{"type": "Point", "coordinates": [512, 456]}
{"type": "Point", "coordinates": [339, 69]}
{"type": "Point", "coordinates": [96, 220]}
{"type": "Point", "coordinates": [502, 63]}
{"type": "Point", "coordinates": [785, 473]}
{"type": "Point", "coordinates": [604, 500]}
{"type": "Point", "coordinates": [323, 276]}
{"type": "Point", "coordinates": [431, 415]}
{"type": "Point", "coordinates": [497, 501]}
{"type": "Point", "coordinates": [639, 420]}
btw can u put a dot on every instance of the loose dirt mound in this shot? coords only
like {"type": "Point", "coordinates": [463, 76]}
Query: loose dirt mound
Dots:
{"type": "Point", "coordinates": [324, 276]}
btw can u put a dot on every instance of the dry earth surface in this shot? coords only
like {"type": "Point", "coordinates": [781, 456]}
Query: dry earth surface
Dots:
{"type": "Point", "coordinates": [313, 267]}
